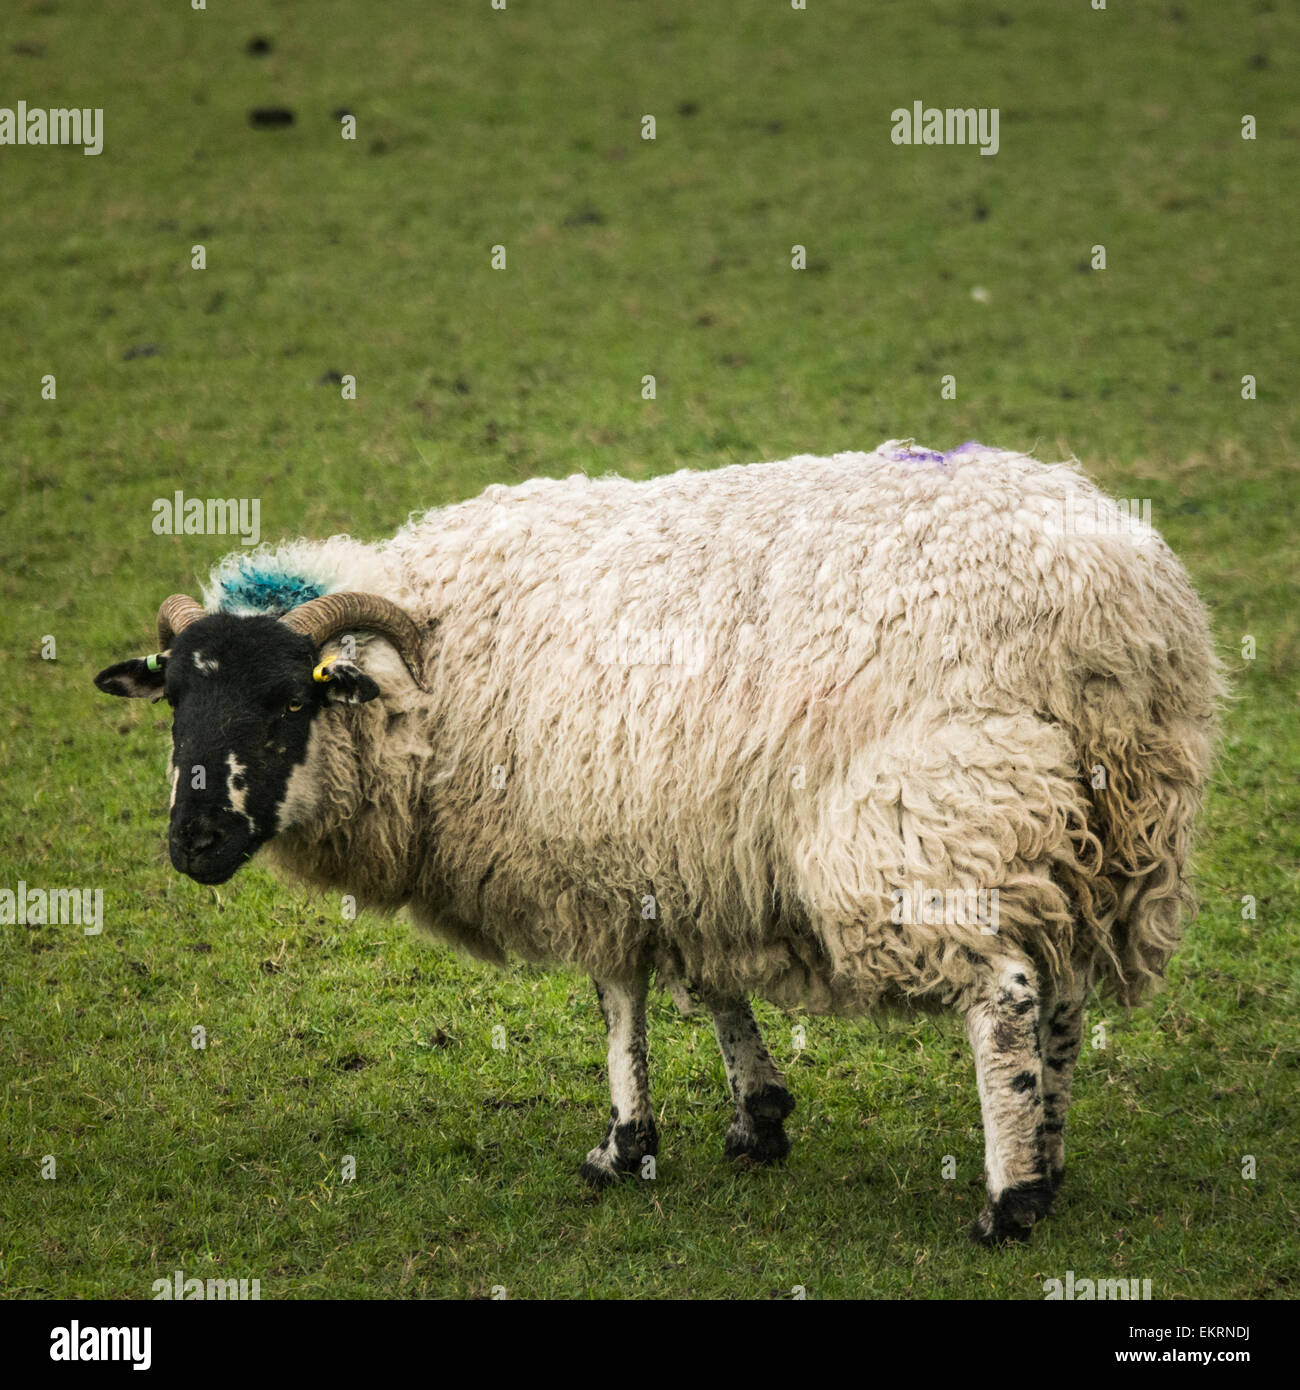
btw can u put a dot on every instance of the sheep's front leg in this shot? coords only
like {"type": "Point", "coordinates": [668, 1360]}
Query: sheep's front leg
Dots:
{"type": "Point", "coordinates": [632, 1134]}
{"type": "Point", "coordinates": [1060, 1031]}
{"type": "Point", "coordinates": [757, 1132]}
{"type": "Point", "coordinates": [1002, 1023]}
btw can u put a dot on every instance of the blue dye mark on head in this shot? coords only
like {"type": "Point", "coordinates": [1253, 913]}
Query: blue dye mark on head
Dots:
{"type": "Point", "coordinates": [266, 590]}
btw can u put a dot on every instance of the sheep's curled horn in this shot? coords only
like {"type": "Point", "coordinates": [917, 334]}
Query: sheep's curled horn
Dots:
{"type": "Point", "coordinates": [320, 619]}
{"type": "Point", "coordinates": [177, 612]}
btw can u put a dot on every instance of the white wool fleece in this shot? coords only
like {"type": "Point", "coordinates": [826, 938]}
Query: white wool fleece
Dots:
{"type": "Point", "coordinates": [728, 717]}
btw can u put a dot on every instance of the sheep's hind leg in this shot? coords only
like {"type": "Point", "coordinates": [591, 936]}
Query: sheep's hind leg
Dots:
{"type": "Point", "coordinates": [757, 1131]}
{"type": "Point", "coordinates": [632, 1135]}
{"type": "Point", "coordinates": [1060, 1031]}
{"type": "Point", "coordinates": [1002, 1023]}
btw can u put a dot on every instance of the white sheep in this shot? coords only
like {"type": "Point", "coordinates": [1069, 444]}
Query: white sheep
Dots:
{"type": "Point", "coordinates": [848, 732]}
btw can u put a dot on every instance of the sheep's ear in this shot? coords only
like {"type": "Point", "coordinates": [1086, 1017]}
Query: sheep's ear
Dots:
{"type": "Point", "coordinates": [345, 684]}
{"type": "Point", "coordinates": [140, 678]}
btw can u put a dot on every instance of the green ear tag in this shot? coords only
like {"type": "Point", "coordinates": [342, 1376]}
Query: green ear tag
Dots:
{"type": "Point", "coordinates": [152, 662]}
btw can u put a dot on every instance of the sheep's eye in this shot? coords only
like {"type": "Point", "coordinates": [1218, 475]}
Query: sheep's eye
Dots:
{"type": "Point", "coordinates": [294, 706]}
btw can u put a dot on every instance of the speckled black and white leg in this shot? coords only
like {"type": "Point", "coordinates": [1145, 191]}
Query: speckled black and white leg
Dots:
{"type": "Point", "coordinates": [632, 1135]}
{"type": "Point", "coordinates": [1002, 1023]}
{"type": "Point", "coordinates": [757, 1132]}
{"type": "Point", "coordinates": [1060, 1031]}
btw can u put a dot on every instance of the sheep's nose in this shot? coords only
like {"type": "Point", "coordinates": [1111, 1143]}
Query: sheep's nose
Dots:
{"type": "Point", "coordinates": [202, 834]}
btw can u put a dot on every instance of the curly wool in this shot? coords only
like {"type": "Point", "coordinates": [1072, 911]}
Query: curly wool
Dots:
{"type": "Point", "coordinates": [725, 719]}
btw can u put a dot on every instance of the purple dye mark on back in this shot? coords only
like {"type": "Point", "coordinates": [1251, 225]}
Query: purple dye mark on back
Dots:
{"type": "Point", "coordinates": [915, 455]}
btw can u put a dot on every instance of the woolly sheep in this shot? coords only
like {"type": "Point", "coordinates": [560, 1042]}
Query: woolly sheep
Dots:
{"type": "Point", "coordinates": [872, 730]}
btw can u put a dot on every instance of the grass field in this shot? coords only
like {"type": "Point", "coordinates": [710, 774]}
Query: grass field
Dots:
{"type": "Point", "coordinates": [624, 257]}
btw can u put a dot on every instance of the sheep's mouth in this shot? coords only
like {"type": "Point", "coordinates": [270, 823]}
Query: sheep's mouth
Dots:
{"type": "Point", "coordinates": [215, 864]}
{"type": "Point", "coordinates": [214, 875]}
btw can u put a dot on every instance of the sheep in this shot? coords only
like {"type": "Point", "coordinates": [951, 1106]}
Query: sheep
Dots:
{"type": "Point", "coordinates": [905, 729]}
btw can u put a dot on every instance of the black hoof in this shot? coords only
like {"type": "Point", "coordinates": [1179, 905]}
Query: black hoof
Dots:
{"type": "Point", "coordinates": [763, 1142]}
{"type": "Point", "coordinates": [619, 1153]}
{"type": "Point", "coordinates": [1015, 1213]}
{"type": "Point", "coordinates": [757, 1134]}
{"type": "Point", "coordinates": [600, 1176]}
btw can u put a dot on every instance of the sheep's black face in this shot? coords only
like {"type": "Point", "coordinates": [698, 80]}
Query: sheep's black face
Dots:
{"type": "Point", "coordinates": [244, 699]}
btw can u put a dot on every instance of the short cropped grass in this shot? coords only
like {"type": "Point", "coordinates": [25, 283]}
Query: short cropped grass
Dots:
{"type": "Point", "coordinates": [467, 1096]}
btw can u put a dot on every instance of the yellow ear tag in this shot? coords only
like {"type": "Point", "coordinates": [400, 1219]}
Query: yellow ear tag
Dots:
{"type": "Point", "coordinates": [320, 674]}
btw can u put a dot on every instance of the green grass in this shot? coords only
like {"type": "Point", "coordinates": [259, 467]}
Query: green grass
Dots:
{"type": "Point", "coordinates": [625, 257]}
